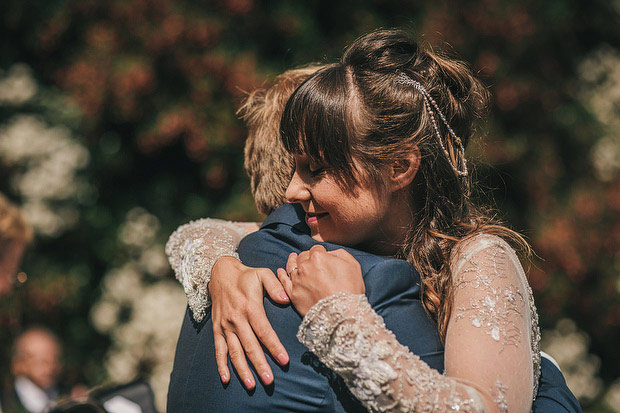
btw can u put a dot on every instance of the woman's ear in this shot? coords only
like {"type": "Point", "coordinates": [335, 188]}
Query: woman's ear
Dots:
{"type": "Point", "coordinates": [404, 170]}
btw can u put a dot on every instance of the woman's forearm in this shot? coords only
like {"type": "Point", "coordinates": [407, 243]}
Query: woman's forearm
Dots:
{"type": "Point", "coordinates": [345, 333]}
{"type": "Point", "coordinates": [491, 345]}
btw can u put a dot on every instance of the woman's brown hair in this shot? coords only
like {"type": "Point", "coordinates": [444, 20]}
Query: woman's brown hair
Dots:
{"type": "Point", "coordinates": [375, 106]}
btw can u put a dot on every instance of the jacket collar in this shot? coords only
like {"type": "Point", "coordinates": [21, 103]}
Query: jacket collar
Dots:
{"type": "Point", "coordinates": [288, 214]}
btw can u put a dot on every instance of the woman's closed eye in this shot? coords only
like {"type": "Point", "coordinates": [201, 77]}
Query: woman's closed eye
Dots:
{"type": "Point", "coordinates": [316, 172]}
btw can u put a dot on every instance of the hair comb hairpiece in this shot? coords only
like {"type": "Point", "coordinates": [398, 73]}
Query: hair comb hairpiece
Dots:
{"type": "Point", "coordinates": [430, 104]}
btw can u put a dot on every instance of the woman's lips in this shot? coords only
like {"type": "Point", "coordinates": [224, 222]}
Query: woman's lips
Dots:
{"type": "Point", "coordinates": [313, 217]}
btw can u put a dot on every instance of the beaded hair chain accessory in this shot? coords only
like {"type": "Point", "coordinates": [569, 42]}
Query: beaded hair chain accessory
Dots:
{"type": "Point", "coordinates": [430, 104]}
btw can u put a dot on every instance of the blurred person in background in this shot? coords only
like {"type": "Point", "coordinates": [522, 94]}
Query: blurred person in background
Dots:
{"type": "Point", "coordinates": [36, 367]}
{"type": "Point", "coordinates": [15, 234]}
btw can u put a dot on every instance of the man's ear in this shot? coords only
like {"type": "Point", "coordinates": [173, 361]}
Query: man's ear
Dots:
{"type": "Point", "coordinates": [404, 170]}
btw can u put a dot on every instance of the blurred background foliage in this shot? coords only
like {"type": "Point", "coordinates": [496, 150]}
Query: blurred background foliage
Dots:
{"type": "Point", "coordinates": [117, 124]}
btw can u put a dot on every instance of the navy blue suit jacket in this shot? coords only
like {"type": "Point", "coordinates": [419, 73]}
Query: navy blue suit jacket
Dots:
{"type": "Point", "coordinates": [553, 394]}
{"type": "Point", "coordinates": [305, 385]}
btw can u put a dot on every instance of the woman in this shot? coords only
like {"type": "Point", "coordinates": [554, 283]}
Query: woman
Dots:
{"type": "Point", "coordinates": [378, 140]}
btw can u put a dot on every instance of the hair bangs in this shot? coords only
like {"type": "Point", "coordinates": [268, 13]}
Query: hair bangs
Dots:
{"type": "Point", "coordinates": [316, 121]}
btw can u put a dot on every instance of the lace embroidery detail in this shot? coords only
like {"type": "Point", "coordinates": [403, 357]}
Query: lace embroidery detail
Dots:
{"type": "Point", "coordinates": [534, 338]}
{"type": "Point", "coordinates": [493, 310]}
{"type": "Point", "coordinates": [481, 263]}
{"type": "Point", "coordinates": [500, 400]}
{"type": "Point", "coordinates": [351, 339]}
{"type": "Point", "coordinates": [192, 251]}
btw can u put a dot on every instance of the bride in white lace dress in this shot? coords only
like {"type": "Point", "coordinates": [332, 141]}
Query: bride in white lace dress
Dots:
{"type": "Point", "coordinates": [378, 140]}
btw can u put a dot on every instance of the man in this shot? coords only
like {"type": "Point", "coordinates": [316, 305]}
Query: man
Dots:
{"type": "Point", "coordinates": [35, 366]}
{"type": "Point", "coordinates": [303, 384]}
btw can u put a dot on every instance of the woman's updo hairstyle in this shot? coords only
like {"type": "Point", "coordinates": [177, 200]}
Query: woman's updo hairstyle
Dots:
{"type": "Point", "coordinates": [385, 97]}
{"type": "Point", "coordinates": [360, 108]}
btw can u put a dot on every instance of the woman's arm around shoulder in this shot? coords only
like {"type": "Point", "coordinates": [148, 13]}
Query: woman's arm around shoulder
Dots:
{"type": "Point", "coordinates": [207, 247]}
{"type": "Point", "coordinates": [488, 352]}
{"type": "Point", "coordinates": [194, 248]}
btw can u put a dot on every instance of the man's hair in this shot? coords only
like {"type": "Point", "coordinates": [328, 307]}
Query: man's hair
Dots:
{"type": "Point", "coordinates": [13, 226]}
{"type": "Point", "coordinates": [267, 163]}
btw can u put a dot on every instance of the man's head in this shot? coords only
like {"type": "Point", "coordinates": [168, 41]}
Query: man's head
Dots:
{"type": "Point", "coordinates": [15, 234]}
{"type": "Point", "coordinates": [36, 356]}
{"type": "Point", "coordinates": [269, 166]}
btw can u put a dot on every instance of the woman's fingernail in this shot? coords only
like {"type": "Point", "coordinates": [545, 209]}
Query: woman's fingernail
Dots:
{"type": "Point", "coordinates": [266, 378]}
{"type": "Point", "coordinates": [249, 383]}
{"type": "Point", "coordinates": [283, 295]}
{"type": "Point", "coordinates": [282, 358]}
{"type": "Point", "coordinates": [224, 378]}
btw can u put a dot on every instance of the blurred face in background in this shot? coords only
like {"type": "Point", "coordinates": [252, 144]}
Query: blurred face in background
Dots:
{"type": "Point", "coordinates": [37, 357]}
{"type": "Point", "coordinates": [10, 258]}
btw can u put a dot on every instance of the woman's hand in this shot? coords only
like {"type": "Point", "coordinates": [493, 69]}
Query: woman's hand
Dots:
{"type": "Point", "coordinates": [317, 273]}
{"type": "Point", "coordinates": [239, 319]}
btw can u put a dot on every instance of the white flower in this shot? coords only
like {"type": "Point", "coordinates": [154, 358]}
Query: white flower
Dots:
{"type": "Point", "coordinates": [122, 367]}
{"type": "Point", "coordinates": [130, 337]}
{"type": "Point", "coordinates": [569, 347]}
{"type": "Point", "coordinates": [160, 380]}
{"type": "Point", "coordinates": [123, 285]}
{"type": "Point", "coordinates": [147, 337]}
{"type": "Point", "coordinates": [160, 309]}
{"type": "Point", "coordinates": [104, 315]}
{"type": "Point", "coordinates": [139, 228]}
{"type": "Point", "coordinates": [28, 137]}
{"type": "Point", "coordinates": [18, 86]}
{"type": "Point", "coordinates": [47, 220]}
{"type": "Point", "coordinates": [600, 76]}
{"type": "Point", "coordinates": [612, 397]}
{"type": "Point", "coordinates": [605, 156]}
{"type": "Point", "coordinates": [154, 261]}
{"type": "Point", "coordinates": [45, 161]}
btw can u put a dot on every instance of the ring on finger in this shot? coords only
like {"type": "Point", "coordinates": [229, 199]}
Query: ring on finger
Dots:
{"type": "Point", "coordinates": [290, 274]}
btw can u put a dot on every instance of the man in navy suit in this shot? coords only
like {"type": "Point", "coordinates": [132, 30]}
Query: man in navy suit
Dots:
{"type": "Point", "coordinates": [392, 287]}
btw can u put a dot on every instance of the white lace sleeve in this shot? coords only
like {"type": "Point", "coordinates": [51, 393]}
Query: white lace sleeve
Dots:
{"type": "Point", "coordinates": [488, 358]}
{"type": "Point", "coordinates": [192, 251]}
{"type": "Point", "coordinates": [494, 323]}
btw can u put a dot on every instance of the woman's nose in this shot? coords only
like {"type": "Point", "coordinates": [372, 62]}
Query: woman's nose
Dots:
{"type": "Point", "coordinates": [297, 190]}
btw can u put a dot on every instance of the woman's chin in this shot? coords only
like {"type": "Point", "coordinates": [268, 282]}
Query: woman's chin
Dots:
{"type": "Point", "coordinates": [317, 237]}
